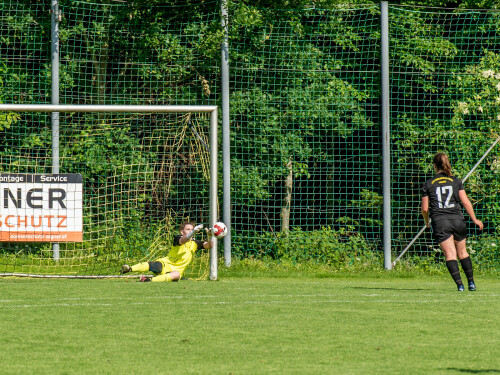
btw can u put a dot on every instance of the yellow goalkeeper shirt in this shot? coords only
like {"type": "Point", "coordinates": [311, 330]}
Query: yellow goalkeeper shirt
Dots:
{"type": "Point", "coordinates": [179, 256]}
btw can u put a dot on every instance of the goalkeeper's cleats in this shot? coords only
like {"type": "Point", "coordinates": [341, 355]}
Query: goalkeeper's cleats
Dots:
{"type": "Point", "coordinates": [461, 288]}
{"type": "Point", "coordinates": [125, 269]}
{"type": "Point", "coordinates": [144, 279]}
{"type": "Point", "coordinates": [472, 286]}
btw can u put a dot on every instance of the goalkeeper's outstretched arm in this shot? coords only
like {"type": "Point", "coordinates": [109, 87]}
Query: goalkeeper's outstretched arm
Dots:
{"type": "Point", "coordinates": [188, 231]}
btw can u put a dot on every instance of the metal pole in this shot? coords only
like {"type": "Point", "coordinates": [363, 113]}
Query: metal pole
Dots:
{"type": "Point", "coordinates": [386, 133]}
{"type": "Point", "coordinates": [213, 190]}
{"type": "Point", "coordinates": [480, 160]}
{"type": "Point", "coordinates": [226, 140]}
{"type": "Point", "coordinates": [55, 18]}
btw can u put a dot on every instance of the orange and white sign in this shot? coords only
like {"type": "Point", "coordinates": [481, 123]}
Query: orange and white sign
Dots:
{"type": "Point", "coordinates": [41, 207]}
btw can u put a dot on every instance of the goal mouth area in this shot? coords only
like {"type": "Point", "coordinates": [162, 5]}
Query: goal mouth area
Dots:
{"type": "Point", "coordinates": [145, 169]}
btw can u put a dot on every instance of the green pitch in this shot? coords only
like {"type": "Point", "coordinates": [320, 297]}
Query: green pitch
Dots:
{"type": "Point", "coordinates": [342, 325]}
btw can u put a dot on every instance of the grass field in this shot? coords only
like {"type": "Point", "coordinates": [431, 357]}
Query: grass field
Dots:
{"type": "Point", "coordinates": [339, 325]}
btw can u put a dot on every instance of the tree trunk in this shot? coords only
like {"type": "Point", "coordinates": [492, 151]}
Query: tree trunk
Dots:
{"type": "Point", "coordinates": [285, 210]}
{"type": "Point", "coordinates": [100, 66]}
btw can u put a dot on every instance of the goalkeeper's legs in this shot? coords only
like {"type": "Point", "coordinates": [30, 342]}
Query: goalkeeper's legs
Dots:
{"type": "Point", "coordinates": [170, 276]}
{"type": "Point", "coordinates": [155, 267]}
{"type": "Point", "coordinates": [140, 267]}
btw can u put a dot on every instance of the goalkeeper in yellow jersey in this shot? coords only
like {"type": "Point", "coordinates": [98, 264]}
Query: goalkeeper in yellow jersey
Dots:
{"type": "Point", "coordinates": [172, 267]}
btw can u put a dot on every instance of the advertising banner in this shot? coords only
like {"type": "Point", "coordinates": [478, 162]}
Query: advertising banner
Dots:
{"type": "Point", "coordinates": [41, 207]}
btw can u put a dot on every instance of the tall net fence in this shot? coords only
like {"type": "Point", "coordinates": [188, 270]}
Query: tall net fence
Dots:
{"type": "Point", "coordinates": [307, 145]}
{"type": "Point", "coordinates": [132, 54]}
{"type": "Point", "coordinates": [25, 52]}
{"type": "Point", "coordinates": [306, 165]}
{"type": "Point", "coordinates": [306, 148]}
{"type": "Point", "coordinates": [445, 96]}
{"type": "Point", "coordinates": [111, 53]}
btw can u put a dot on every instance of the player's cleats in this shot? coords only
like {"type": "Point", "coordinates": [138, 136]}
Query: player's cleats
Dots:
{"type": "Point", "coordinates": [144, 279]}
{"type": "Point", "coordinates": [461, 288]}
{"type": "Point", "coordinates": [472, 286]}
{"type": "Point", "coordinates": [126, 268]}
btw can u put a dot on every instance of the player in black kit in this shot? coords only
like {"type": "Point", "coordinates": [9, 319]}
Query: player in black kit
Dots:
{"type": "Point", "coordinates": [441, 208]}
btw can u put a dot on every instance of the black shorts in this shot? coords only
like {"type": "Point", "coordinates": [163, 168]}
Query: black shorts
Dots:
{"type": "Point", "coordinates": [444, 229]}
{"type": "Point", "coordinates": [156, 267]}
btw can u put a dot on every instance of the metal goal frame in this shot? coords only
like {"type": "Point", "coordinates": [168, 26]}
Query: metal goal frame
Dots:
{"type": "Point", "coordinates": [55, 109]}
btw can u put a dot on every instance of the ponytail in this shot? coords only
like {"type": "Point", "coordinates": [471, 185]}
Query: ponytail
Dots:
{"type": "Point", "coordinates": [442, 162]}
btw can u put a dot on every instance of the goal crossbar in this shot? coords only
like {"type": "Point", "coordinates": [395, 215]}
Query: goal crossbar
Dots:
{"type": "Point", "coordinates": [108, 108]}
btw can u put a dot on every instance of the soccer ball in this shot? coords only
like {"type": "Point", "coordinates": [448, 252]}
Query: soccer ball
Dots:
{"type": "Point", "coordinates": [220, 230]}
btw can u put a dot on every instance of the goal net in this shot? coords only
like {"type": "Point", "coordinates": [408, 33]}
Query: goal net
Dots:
{"type": "Point", "coordinates": [127, 177]}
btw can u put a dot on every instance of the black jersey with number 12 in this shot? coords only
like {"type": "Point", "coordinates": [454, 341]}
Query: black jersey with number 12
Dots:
{"type": "Point", "coordinates": [444, 201]}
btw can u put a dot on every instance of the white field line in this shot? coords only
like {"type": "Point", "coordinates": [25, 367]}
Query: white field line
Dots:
{"type": "Point", "coordinates": [187, 300]}
{"type": "Point", "coordinates": [298, 297]}
{"type": "Point", "coordinates": [261, 295]}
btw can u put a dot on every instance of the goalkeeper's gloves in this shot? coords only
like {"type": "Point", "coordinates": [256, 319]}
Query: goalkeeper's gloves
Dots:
{"type": "Point", "coordinates": [196, 229]}
{"type": "Point", "coordinates": [210, 232]}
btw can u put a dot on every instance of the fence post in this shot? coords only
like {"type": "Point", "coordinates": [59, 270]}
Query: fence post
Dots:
{"type": "Point", "coordinates": [386, 133]}
{"type": "Point", "coordinates": [226, 140]}
{"type": "Point", "coordinates": [213, 189]}
{"type": "Point", "coordinates": [55, 18]}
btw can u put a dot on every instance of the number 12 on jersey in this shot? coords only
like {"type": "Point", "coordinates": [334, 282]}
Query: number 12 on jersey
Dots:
{"type": "Point", "coordinates": [445, 192]}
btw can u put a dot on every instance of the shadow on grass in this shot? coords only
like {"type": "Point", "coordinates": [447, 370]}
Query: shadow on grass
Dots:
{"type": "Point", "coordinates": [470, 371]}
{"type": "Point", "coordinates": [379, 288]}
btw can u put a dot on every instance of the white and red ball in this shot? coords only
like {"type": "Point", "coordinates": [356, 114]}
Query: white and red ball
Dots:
{"type": "Point", "coordinates": [220, 229]}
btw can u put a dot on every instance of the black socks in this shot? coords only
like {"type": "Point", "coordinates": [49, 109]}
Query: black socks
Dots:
{"type": "Point", "coordinates": [454, 271]}
{"type": "Point", "coordinates": [467, 267]}
{"type": "Point", "coordinates": [466, 263]}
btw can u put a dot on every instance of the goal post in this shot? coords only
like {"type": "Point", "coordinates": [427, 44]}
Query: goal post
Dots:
{"type": "Point", "coordinates": [146, 177]}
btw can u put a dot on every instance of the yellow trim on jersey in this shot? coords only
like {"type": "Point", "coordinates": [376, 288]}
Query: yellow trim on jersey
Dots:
{"type": "Point", "coordinates": [442, 178]}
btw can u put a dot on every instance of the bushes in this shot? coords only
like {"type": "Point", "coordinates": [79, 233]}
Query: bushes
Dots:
{"type": "Point", "coordinates": [326, 246]}
{"type": "Point", "coordinates": [345, 249]}
{"type": "Point", "coordinates": [483, 251]}
{"type": "Point", "coordinates": [332, 248]}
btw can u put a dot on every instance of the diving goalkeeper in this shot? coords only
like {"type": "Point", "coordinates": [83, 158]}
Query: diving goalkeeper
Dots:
{"type": "Point", "coordinates": [172, 267]}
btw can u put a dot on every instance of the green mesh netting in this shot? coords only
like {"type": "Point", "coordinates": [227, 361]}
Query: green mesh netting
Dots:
{"type": "Point", "coordinates": [306, 150]}
{"type": "Point", "coordinates": [305, 111]}
{"type": "Point", "coordinates": [445, 96]}
{"type": "Point", "coordinates": [143, 173]}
